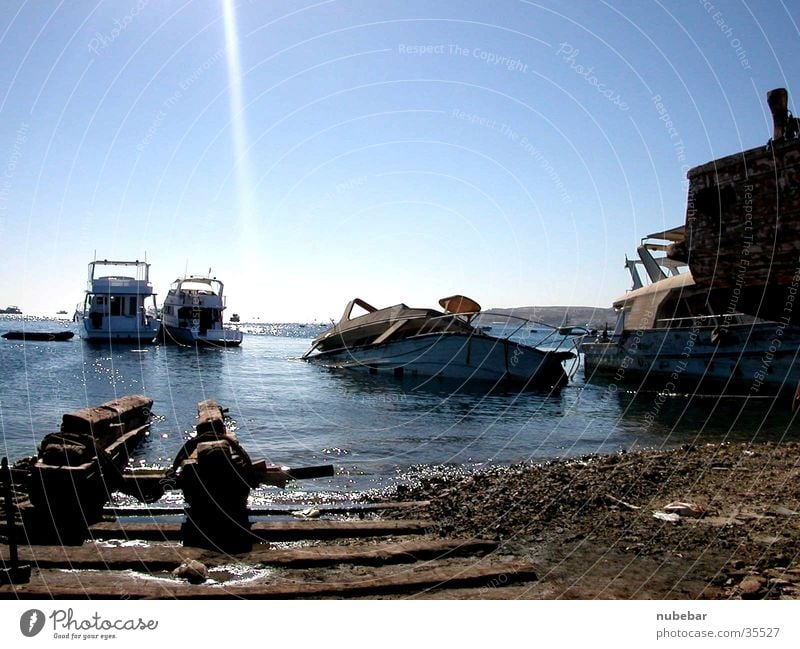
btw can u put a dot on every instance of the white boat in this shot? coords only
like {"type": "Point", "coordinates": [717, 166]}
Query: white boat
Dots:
{"type": "Point", "coordinates": [115, 305]}
{"type": "Point", "coordinates": [192, 313]}
{"type": "Point", "coordinates": [672, 337]}
{"type": "Point", "coordinates": [404, 341]}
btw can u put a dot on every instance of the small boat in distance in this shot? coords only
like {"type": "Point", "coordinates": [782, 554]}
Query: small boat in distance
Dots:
{"type": "Point", "coordinates": [235, 318]}
{"type": "Point", "coordinates": [192, 314]}
{"type": "Point", "coordinates": [38, 335]}
{"type": "Point", "coordinates": [11, 310]}
{"type": "Point", "coordinates": [405, 341]}
{"type": "Point", "coordinates": [115, 306]}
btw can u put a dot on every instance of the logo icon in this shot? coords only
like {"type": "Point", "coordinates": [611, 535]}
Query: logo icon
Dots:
{"type": "Point", "coordinates": [31, 622]}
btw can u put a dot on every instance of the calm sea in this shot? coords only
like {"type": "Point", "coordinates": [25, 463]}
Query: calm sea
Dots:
{"type": "Point", "coordinates": [375, 430]}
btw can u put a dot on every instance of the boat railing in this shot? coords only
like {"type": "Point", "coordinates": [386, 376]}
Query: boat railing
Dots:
{"type": "Point", "coordinates": [523, 321]}
{"type": "Point", "coordinates": [705, 320]}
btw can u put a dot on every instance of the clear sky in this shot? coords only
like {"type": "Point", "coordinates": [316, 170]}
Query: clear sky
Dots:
{"type": "Point", "coordinates": [312, 152]}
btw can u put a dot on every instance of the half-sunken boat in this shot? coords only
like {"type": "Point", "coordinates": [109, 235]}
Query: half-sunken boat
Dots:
{"type": "Point", "coordinates": [742, 223]}
{"type": "Point", "coordinates": [192, 314]}
{"type": "Point", "coordinates": [406, 341]}
{"type": "Point", "coordinates": [670, 337]}
{"type": "Point", "coordinates": [116, 303]}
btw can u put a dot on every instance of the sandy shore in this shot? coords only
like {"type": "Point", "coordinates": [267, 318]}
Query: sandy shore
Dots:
{"type": "Point", "coordinates": [589, 525]}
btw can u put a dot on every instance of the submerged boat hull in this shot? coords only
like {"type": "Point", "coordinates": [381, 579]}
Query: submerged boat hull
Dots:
{"type": "Point", "coordinates": [749, 359]}
{"type": "Point", "coordinates": [454, 356]}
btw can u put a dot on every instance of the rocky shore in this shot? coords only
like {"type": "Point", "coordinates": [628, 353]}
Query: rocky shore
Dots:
{"type": "Point", "coordinates": [699, 522]}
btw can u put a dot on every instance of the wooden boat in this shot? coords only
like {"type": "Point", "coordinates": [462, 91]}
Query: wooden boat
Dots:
{"type": "Point", "coordinates": [38, 335]}
{"type": "Point", "coordinates": [404, 341]}
{"type": "Point", "coordinates": [742, 221]}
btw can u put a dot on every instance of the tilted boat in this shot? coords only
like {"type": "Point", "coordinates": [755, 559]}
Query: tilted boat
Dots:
{"type": "Point", "coordinates": [115, 306]}
{"type": "Point", "coordinates": [406, 341]}
{"type": "Point", "coordinates": [671, 337]}
{"type": "Point", "coordinates": [192, 313]}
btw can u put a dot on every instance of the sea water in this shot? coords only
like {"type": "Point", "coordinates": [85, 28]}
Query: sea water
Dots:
{"type": "Point", "coordinates": [376, 430]}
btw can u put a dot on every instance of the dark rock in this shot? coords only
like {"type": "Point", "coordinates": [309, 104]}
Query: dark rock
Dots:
{"type": "Point", "coordinates": [752, 587]}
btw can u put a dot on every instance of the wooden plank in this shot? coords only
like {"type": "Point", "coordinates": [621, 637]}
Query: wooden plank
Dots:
{"type": "Point", "coordinates": [165, 558]}
{"type": "Point", "coordinates": [481, 575]}
{"type": "Point", "coordinates": [270, 531]}
{"type": "Point", "coordinates": [353, 508]}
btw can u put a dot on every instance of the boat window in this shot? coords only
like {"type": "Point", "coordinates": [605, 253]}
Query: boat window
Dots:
{"type": "Point", "coordinates": [132, 305]}
{"type": "Point", "coordinates": [115, 305]}
{"type": "Point", "coordinates": [682, 312]}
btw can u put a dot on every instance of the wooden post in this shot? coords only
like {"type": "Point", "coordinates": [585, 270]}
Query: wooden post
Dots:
{"type": "Point", "coordinates": [14, 573]}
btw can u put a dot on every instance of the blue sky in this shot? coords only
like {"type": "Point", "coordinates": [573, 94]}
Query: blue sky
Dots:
{"type": "Point", "coordinates": [396, 151]}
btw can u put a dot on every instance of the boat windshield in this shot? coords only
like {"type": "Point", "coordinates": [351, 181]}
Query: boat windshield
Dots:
{"type": "Point", "coordinates": [208, 287]}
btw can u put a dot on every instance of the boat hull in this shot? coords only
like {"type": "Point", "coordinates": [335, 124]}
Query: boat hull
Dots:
{"type": "Point", "coordinates": [117, 330]}
{"type": "Point", "coordinates": [454, 356]}
{"type": "Point", "coordinates": [212, 338]}
{"type": "Point", "coordinates": [753, 360]}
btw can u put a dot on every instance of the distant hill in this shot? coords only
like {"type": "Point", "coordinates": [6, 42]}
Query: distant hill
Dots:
{"type": "Point", "coordinates": [592, 316]}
